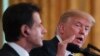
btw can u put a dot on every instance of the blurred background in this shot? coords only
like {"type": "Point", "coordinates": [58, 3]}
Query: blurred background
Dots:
{"type": "Point", "coordinates": [51, 11]}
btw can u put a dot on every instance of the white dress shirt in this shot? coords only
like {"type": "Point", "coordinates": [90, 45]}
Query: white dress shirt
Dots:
{"type": "Point", "coordinates": [60, 40]}
{"type": "Point", "coordinates": [21, 51]}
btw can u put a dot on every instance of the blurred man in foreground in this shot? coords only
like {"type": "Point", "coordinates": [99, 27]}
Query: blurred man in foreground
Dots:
{"type": "Point", "coordinates": [23, 29]}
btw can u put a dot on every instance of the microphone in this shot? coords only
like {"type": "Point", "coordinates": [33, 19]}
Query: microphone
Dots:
{"type": "Point", "coordinates": [76, 49]}
{"type": "Point", "coordinates": [73, 48]}
{"type": "Point", "coordinates": [93, 47]}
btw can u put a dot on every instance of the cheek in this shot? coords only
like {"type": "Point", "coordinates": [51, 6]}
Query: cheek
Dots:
{"type": "Point", "coordinates": [86, 33]}
{"type": "Point", "coordinates": [35, 35]}
{"type": "Point", "coordinates": [71, 30]}
{"type": "Point", "coordinates": [75, 30]}
{"type": "Point", "coordinates": [38, 33]}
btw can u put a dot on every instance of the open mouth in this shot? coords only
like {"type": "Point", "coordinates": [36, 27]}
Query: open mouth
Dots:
{"type": "Point", "coordinates": [79, 39]}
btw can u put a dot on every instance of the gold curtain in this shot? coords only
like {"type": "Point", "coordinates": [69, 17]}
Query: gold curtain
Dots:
{"type": "Point", "coordinates": [52, 9]}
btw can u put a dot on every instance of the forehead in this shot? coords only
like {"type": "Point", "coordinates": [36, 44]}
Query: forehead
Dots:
{"type": "Point", "coordinates": [82, 20]}
{"type": "Point", "coordinates": [36, 17]}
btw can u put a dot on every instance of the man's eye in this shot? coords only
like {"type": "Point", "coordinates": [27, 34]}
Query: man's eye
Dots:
{"type": "Point", "coordinates": [87, 28]}
{"type": "Point", "coordinates": [78, 25]}
{"type": "Point", "coordinates": [40, 25]}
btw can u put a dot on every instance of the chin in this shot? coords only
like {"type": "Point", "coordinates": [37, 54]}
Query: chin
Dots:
{"type": "Point", "coordinates": [78, 44]}
{"type": "Point", "coordinates": [39, 45]}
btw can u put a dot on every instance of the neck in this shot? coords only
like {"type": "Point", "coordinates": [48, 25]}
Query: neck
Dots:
{"type": "Point", "coordinates": [23, 43]}
{"type": "Point", "coordinates": [60, 36]}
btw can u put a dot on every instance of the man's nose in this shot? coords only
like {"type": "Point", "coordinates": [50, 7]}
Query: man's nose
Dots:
{"type": "Point", "coordinates": [44, 31]}
{"type": "Point", "coordinates": [82, 31]}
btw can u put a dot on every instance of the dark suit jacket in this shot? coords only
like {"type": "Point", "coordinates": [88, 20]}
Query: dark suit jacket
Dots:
{"type": "Point", "coordinates": [8, 51]}
{"type": "Point", "coordinates": [49, 48]}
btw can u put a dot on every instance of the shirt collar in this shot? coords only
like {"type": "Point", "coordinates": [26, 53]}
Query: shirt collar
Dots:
{"type": "Point", "coordinates": [21, 51]}
{"type": "Point", "coordinates": [60, 40]}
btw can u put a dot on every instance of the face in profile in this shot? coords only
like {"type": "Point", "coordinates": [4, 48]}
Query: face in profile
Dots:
{"type": "Point", "coordinates": [37, 31]}
{"type": "Point", "coordinates": [77, 26]}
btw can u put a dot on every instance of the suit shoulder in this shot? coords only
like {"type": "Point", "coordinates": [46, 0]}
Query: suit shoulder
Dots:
{"type": "Point", "coordinates": [5, 53]}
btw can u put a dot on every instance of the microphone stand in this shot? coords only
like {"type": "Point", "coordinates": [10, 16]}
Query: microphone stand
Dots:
{"type": "Point", "coordinates": [93, 47]}
{"type": "Point", "coordinates": [86, 52]}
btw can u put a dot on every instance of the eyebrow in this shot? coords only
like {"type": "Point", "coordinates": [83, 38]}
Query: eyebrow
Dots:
{"type": "Point", "coordinates": [77, 22]}
{"type": "Point", "coordinates": [81, 24]}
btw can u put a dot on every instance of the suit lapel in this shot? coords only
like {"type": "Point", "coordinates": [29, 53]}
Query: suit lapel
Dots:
{"type": "Point", "coordinates": [51, 46]}
{"type": "Point", "coordinates": [55, 41]}
{"type": "Point", "coordinates": [10, 50]}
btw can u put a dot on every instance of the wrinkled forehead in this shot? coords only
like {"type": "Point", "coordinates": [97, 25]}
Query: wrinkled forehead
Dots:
{"type": "Point", "coordinates": [84, 19]}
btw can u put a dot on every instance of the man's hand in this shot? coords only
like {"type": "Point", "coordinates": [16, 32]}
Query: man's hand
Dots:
{"type": "Point", "coordinates": [63, 45]}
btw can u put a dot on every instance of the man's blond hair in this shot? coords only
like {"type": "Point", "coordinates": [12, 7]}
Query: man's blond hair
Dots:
{"type": "Point", "coordinates": [76, 13]}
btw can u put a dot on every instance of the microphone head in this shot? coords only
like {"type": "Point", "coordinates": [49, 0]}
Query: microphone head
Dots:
{"type": "Point", "coordinates": [73, 48]}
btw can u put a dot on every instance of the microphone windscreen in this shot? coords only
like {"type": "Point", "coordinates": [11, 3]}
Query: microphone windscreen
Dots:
{"type": "Point", "coordinates": [73, 48]}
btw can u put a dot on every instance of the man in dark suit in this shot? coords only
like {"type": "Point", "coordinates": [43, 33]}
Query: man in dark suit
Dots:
{"type": "Point", "coordinates": [73, 27]}
{"type": "Point", "coordinates": [23, 29]}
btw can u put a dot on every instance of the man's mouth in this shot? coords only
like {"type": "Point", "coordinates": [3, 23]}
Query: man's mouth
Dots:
{"type": "Point", "coordinates": [79, 39]}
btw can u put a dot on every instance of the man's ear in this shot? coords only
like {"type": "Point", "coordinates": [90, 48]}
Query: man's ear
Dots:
{"type": "Point", "coordinates": [25, 30]}
{"type": "Point", "coordinates": [61, 28]}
